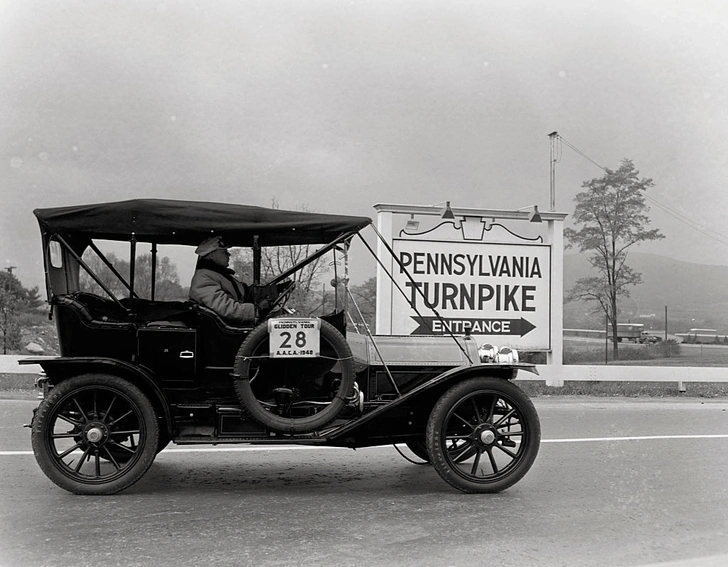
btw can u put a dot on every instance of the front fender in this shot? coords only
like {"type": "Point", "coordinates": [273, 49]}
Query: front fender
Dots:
{"type": "Point", "coordinates": [434, 388]}
{"type": "Point", "coordinates": [61, 368]}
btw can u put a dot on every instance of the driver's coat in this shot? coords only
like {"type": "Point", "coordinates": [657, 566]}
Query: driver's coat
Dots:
{"type": "Point", "coordinates": [215, 291]}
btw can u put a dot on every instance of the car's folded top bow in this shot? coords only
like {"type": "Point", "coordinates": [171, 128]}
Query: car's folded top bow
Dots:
{"type": "Point", "coordinates": [167, 221]}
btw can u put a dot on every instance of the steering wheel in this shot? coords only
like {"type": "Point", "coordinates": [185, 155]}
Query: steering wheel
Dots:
{"type": "Point", "coordinates": [283, 295]}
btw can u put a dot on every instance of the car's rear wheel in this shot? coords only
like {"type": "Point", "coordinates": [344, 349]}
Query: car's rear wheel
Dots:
{"type": "Point", "coordinates": [483, 435]}
{"type": "Point", "coordinates": [294, 395]}
{"type": "Point", "coordinates": [95, 434]}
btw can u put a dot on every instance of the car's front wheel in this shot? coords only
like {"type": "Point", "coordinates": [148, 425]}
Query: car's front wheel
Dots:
{"type": "Point", "coordinates": [483, 435]}
{"type": "Point", "coordinates": [95, 434]}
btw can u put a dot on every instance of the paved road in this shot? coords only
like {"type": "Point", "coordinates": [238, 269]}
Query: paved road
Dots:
{"type": "Point", "coordinates": [616, 483]}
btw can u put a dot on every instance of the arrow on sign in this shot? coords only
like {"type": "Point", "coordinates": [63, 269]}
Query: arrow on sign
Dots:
{"type": "Point", "coordinates": [435, 326]}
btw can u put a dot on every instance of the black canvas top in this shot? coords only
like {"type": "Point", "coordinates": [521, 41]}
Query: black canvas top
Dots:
{"type": "Point", "coordinates": [166, 221]}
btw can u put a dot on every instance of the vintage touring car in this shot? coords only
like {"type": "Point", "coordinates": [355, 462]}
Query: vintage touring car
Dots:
{"type": "Point", "coordinates": [136, 373]}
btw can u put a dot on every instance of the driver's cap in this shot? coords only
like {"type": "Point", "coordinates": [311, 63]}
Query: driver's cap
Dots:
{"type": "Point", "coordinates": [210, 245]}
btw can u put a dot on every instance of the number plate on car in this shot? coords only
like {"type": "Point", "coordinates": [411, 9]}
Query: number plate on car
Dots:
{"type": "Point", "coordinates": [294, 338]}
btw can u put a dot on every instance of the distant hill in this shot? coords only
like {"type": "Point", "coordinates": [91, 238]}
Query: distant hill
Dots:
{"type": "Point", "coordinates": [696, 294]}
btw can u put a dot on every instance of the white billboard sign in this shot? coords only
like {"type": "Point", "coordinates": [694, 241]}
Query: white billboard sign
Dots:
{"type": "Point", "coordinates": [499, 293]}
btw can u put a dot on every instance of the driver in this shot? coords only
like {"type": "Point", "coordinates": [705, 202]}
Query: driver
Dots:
{"type": "Point", "coordinates": [215, 286]}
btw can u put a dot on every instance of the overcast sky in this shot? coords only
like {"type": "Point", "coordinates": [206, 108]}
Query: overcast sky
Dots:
{"type": "Point", "coordinates": [338, 105]}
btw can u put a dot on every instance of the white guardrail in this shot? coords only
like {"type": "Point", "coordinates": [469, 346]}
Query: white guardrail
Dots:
{"type": "Point", "coordinates": [552, 375]}
{"type": "Point", "coordinates": [557, 375]}
{"type": "Point", "coordinates": [9, 364]}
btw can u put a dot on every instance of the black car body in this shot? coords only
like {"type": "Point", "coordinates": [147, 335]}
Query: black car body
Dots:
{"type": "Point", "coordinates": [135, 374]}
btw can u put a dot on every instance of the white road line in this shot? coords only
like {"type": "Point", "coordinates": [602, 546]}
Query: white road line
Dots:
{"type": "Point", "coordinates": [637, 438]}
{"type": "Point", "coordinates": [309, 447]}
{"type": "Point", "coordinates": [706, 561]}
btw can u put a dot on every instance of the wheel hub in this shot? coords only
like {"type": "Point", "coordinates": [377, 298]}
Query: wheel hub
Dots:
{"type": "Point", "coordinates": [487, 437]}
{"type": "Point", "coordinates": [95, 433]}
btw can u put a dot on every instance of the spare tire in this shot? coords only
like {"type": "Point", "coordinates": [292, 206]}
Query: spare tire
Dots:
{"type": "Point", "coordinates": [254, 364]}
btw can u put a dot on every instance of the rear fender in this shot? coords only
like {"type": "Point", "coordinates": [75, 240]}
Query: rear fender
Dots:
{"type": "Point", "coordinates": [59, 369]}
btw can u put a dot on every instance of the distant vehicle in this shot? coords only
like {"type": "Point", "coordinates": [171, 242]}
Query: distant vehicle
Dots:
{"type": "Point", "coordinates": [634, 332]}
{"type": "Point", "coordinates": [647, 338]}
{"type": "Point", "coordinates": [629, 332]}
{"type": "Point", "coordinates": [702, 336]}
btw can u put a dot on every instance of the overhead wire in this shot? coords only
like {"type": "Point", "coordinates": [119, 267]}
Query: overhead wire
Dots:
{"type": "Point", "coordinates": [712, 234]}
{"type": "Point", "coordinates": [578, 151]}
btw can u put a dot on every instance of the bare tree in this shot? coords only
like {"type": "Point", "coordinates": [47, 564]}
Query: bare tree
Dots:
{"type": "Point", "coordinates": [365, 296]}
{"type": "Point", "coordinates": [14, 298]}
{"type": "Point", "coordinates": [102, 271]}
{"type": "Point", "coordinates": [9, 300]}
{"type": "Point", "coordinates": [612, 217]}
{"type": "Point", "coordinates": [167, 286]}
{"type": "Point", "coordinates": [275, 260]}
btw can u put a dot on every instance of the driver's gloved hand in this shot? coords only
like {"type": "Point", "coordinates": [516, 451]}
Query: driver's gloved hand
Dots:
{"type": "Point", "coordinates": [262, 309]}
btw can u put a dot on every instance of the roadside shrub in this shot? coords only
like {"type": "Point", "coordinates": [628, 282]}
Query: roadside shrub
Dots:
{"type": "Point", "coordinates": [10, 335]}
{"type": "Point", "coordinates": [585, 356]}
{"type": "Point", "coordinates": [532, 357]}
{"type": "Point", "coordinates": [31, 318]}
{"type": "Point", "coordinates": [667, 349]}
{"type": "Point", "coordinates": [626, 389]}
{"type": "Point", "coordinates": [595, 355]}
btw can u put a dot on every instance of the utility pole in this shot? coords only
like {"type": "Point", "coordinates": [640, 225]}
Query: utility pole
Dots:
{"type": "Point", "coordinates": [665, 323]}
{"type": "Point", "coordinates": [5, 302]}
{"type": "Point", "coordinates": [553, 137]}
{"type": "Point", "coordinates": [606, 338]}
